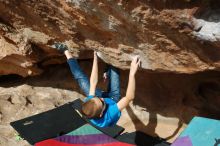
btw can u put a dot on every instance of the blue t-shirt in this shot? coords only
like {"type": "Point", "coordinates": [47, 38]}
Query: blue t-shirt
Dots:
{"type": "Point", "coordinates": [110, 116]}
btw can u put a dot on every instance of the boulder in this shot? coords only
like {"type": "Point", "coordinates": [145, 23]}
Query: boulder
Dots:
{"type": "Point", "coordinates": [170, 36]}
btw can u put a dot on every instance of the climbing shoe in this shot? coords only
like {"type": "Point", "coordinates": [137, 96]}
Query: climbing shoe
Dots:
{"type": "Point", "coordinates": [60, 47]}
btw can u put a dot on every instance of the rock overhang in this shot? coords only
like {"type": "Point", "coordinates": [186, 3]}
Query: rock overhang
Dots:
{"type": "Point", "coordinates": [179, 37]}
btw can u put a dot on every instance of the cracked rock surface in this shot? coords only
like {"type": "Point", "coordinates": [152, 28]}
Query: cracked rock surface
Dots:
{"type": "Point", "coordinates": [170, 36]}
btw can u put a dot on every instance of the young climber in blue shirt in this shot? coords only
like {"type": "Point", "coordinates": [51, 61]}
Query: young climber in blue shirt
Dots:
{"type": "Point", "coordinates": [102, 108]}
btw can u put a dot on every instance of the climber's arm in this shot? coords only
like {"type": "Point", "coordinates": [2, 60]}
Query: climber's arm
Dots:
{"type": "Point", "coordinates": [131, 85]}
{"type": "Point", "coordinates": [94, 75]}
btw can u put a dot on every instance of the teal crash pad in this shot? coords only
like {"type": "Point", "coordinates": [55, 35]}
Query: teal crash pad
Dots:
{"type": "Point", "coordinates": [200, 132]}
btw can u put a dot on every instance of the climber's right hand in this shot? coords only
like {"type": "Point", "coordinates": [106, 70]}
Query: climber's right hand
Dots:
{"type": "Point", "coordinates": [134, 65]}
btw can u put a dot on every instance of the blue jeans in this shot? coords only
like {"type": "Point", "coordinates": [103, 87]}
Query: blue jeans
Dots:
{"type": "Point", "coordinates": [113, 90]}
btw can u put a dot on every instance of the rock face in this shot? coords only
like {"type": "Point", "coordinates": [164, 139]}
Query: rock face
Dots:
{"type": "Point", "coordinates": [170, 36]}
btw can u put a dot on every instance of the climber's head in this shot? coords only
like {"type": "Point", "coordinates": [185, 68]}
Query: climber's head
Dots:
{"type": "Point", "coordinates": [93, 108]}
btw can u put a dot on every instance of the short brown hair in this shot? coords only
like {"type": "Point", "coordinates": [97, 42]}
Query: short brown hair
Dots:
{"type": "Point", "coordinates": [90, 109]}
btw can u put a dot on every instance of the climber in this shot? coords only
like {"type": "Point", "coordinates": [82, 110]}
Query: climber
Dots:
{"type": "Point", "coordinates": [102, 108]}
